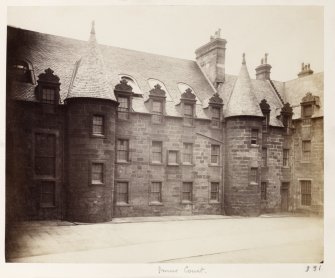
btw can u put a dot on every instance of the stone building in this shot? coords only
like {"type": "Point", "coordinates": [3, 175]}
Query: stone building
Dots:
{"type": "Point", "coordinates": [96, 132]}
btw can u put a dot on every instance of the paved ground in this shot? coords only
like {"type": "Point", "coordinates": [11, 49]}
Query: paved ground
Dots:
{"type": "Point", "coordinates": [192, 239]}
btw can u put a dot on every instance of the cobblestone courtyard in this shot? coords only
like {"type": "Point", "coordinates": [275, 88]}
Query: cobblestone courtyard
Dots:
{"type": "Point", "coordinates": [184, 239]}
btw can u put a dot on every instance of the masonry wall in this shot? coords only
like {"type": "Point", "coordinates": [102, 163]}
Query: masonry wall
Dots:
{"type": "Point", "coordinates": [308, 169]}
{"type": "Point", "coordinates": [272, 173]}
{"type": "Point", "coordinates": [23, 191]}
{"type": "Point", "coordinates": [242, 195]}
{"type": "Point", "coordinates": [140, 171]}
{"type": "Point", "coordinates": [88, 202]}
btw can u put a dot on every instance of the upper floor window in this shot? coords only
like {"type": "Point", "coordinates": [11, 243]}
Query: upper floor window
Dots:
{"type": "Point", "coordinates": [48, 87]}
{"type": "Point", "coordinates": [157, 152]}
{"type": "Point", "coordinates": [172, 157]}
{"type": "Point", "coordinates": [306, 150]}
{"type": "Point", "coordinates": [254, 136]}
{"type": "Point", "coordinates": [22, 71]}
{"type": "Point", "coordinates": [98, 125]}
{"type": "Point", "coordinates": [254, 175]}
{"type": "Point", "coordinates": [122, 154]}
{"type": "Point", "coordinates": [215, 154]}
{"type": "Point", "coordinates": [265, 107]}
{"type": "Point", "coordinates": [264, 157]}
{"type": "Point", "coordinates": [45, 154]}
{"type": "Point", "coordinates": [188, 114]}
{"type": "Point", "coordinates": [48, 96]}
{"type": "Point", "coordinates": [286, 157]}
{"type": "Point", "coordinates": [123, 108]}
{"type": "Point", "coordinates": [263, 190]}
{"type": "Point", "coordinates": [122, 192]}
{"type": "Point", "coordinates": [309, 103]}
{"type": "Point", "coordinates": [216, 112]}
{"type": "Point", "coordinates": [157, 110]}
{"type": "Point", "coordinates": [215, 104]}
{"type": "Point", "coordinates": [187, 153]}
{"type": "Point", "coordinates": [307, 110]}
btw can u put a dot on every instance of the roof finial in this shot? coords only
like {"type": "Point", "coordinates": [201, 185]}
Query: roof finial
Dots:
{"type": "Point", "coordinates": [243, 60]}
{"type": "Point", "coordinates": [93, 28]}
{"type": "Point", "coordinates": [266, 58]}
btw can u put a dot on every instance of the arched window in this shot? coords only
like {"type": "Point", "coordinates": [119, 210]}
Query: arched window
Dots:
{"type": "Point", "coordinates": [22, 71]}
{"type": "Point", "coordinates": [131, 82]}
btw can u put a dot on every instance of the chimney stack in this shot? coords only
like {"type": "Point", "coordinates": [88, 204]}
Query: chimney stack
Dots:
{"type": "Point", "coordinates": [264, 69]}
{"type": "Point", "coordinates": [305, 70]}
{"type": "Point", "coordinates": [211, 58]}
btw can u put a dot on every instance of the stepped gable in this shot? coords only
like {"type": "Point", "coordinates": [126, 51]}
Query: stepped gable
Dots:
{"type": "Point", "coordinates": [242, 101]}
{"type": "Point", "coordinates": [89, 77]}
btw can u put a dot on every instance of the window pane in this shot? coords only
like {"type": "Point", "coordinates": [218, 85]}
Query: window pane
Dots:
{"type": "Point", "coordinates": [45, 154]}
{"type": "Point", "coordinates": [188, 110]}
{"type": "Point", "coordinates": [122, 150]}
{"type": "Point", "coordinates": [215, 113]}
{"type": "Point", "coordinates": [97, 173]}
{"type": "Point", "coordinates": [253, 175]}
{"type": "Point", "coordinates": [157, 152]}
{"type": "Point", "coordinates": [306, 193]}
{"type": "Point", "coordinates": [285, 157]}
{"type": "Point", "coordinates": [123, 108]}
{"type": "Point", "coordinates": [187, 153]}
{"type": "Point", "coordinates": [187, 191]}
{"type": "Point", "coordinates": [172, 157]}
{"type": "Point", "coordinates": [122, 192]}
{"type": "Point", "coordinates": [48, 95]}
{"type": "Point", "coordinates": [264, 157]}
{"type": "Point", "coordinates": [157, 106]}
{"type": "Point", "coordinates": [214, 196]}
{"type": "Point", "coordinates": [308, 110]}
{"type": "Point", "coordinates": [254, 136]}
{"type": "Point", "coordinates": [215, 152]}
{"type": "Point", "coordinates": [47, 194]}
{"type": "Point", "coordinates": [98, 124]}
{"type": "Point", "coordinates": [155, 193]}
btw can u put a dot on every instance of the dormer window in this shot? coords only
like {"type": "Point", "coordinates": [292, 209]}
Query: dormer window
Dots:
{"type": "Point", "coordinates": [265, 107]}
{"type": "Point", "coordinates": [124, 93]}
{"type": "Point", "coordinates": [156, 102]}
{"type": "Point", "coordinates": [47, 90]}
{"type": "Point", "coordinates": [286, 117]}
{"type": "Point", "coordinates": [22, 71]}
{"type": "Point", "coordinates": [308, 105]}
{"type": "Point", "coordinates": [215, 105]}
{"type": "Point", "coordinates": [188, 100]}
{"type": "Point", "coordinates": [132, 82]}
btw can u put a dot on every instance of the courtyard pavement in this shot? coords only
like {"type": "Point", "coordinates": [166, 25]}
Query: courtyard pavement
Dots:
{"type": "Point", "coordinates": [273, 238]}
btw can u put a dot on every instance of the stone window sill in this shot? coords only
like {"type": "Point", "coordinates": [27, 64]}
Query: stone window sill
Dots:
{"type": "Point", "coordinates": [253, 183]}
{"type": "Point", "coordinates": [97, 183]}
{"type": "Point", "coordinates": [157, 163]}
{"type": "Point", "coordinates": [305, 162]}
{"type": "Point", "coordinates": [173, 164]}
{"type": "Point", "coordinates": [187, 164]}
{"type": "Point", "coordinates": [123, 205]}
{"type": "Point", "coordinates": [122, 162]}
{"type": "Point", "coordinates": [48, 206]}
{"type": "Point", "coordinates": [185, 202]}
{"type": "Point", "coordinates": [286, 167]}
{"type": "Point", "coordinates": [214, 165]}
{"type": "Point", "coordinates": [101, 136]}
{"type": "Point", "coordinates": [212, 202]}
{"type": "Point", "coordinates": [254, 145]}
{"type": "Point", "coordinates": [155, 204]}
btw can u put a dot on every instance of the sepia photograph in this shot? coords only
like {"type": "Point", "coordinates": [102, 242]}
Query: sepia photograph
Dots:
{"type": "Point", "coordinates": [181, 136]}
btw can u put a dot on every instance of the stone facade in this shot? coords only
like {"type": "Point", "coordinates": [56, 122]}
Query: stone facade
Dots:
{"type": "Point", "coordinates": [216, 148]}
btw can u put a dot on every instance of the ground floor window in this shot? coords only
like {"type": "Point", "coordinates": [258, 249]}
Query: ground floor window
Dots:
{"type": "Point", "coordinates": [187, 192]}
{"type": "Point", "coordinates": [306, 193]}
{"type": "Point", "coordinates": [156, 192]}
{"type": "Point", "coordinates": [214, 191]}
{"type": "Point", "coordinates": [263, 190]}
{"type": "Point", "coordinates": [48, 194]}
{"type": "Point", "coordinates": [122, 192]}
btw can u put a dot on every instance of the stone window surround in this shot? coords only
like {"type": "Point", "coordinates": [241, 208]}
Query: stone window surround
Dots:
{"type": "Point", "coordinates": [128, 160]}
{"type": "Point", "coordinates": [183, 152]}
{"type": "Point", "coordinates": [182, 191]}
{"type": "Point", "coordinates": [300, 180]}
{"type": "Point", "coordinates": [103, 135]}
{"type": "Point", "coordinates": [129, 104]}
{"type": "Point", "coordinates": [218, 155]}
{"type": "Point", "coordinates": [304, 157]}
{"type": "Point", "coordinates": [251, 180]}
{"type": "Point", "coordinates": [91, 162]}
{"type": "Point", "coordinates": [122, 204]}
{"type": "Point", "coordinates": [177, 158]}
{"type": "Point", "coordinates": [151, 153]}
{"type": "Point", "coordinates": [287, 159]}
{"type": "Point", "coordinates": [211, 201]}
{"type": "Point", "coordinates": [156, 203]}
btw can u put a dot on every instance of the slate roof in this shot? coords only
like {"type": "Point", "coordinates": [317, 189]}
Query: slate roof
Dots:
{"type": "Point", "coordinates": [242, 100]}
{"type": "Point", "coordinates": [89, 74]}
{"type": "Point", "coordinates": [61, 54]}
{"type": "Point", "coordinates": [296, 89]}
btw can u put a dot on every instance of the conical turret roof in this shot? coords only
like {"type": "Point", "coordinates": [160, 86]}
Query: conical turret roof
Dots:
{"type": "Point", "coordinates": [242, 101]}
{"type": "Point", "coordinates": [89, 78]}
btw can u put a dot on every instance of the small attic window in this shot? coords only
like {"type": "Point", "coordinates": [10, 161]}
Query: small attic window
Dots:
{"type": "Point", "coordinates": [22, 71]}
{"type": "Point", "coordinates": [132, 82]}
{"type": "Point", "coordinates": [153, 82]}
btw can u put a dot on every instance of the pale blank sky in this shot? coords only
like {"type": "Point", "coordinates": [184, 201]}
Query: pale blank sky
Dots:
{"type": "Point", "coordinates": [291, 35]}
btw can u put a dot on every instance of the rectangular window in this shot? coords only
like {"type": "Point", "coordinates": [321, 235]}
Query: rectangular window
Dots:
{"type": "Point", "coordinates": [306, 150]}
{"type": "Point", "coordinates": [286, 157]}
{"type": "Point", "coordinates": [187, 192]}
{"type": "Point", "coordinates": [157, 110]}
{"type": "Point", "coordinates": [264, 157]}
{"type": "Point", "coordinates": [48, 96]}
{"type": "Point", "coordinates": [172, 157]}
{"type": "Point", "coordinates": [45, 154]}
{"type": "Point", "coordinates": [216, 117]}
{"type": "Point", "coordinates": [122, 150]}
{"type": "Point", "coordinates": [122, 193]}
{"type": "Point", "coordinates": [157, 152]}
{"type": "Point", "coordinates": [263, 190]}
{"type": "Point", "coordinates": [123, 108]}
{"type": "Point", "coordinates": [187, 153]}
{"type": "Point", "coordinates": [307, 110]}
{"type": "Point", "coordinates": [98, 125]}
{"type": "Point", "coordinates": [265, 123]}
{"type": "Point", "coordinates": [306, 193]}
{"type": "Point", "coordinates": [47, 194]}
{"type": "Point", "coordinates": [156, 192]}
{"type": "Point", "coordinates": [214, 191]}
{"type": "Point", "coordinates": [254, 136]}
{"type": "Point", "coordinates": [188, 114]}
{"type": "Point", "coordinates": [97, 173]}
{"type": "Point", "coordinates": [215, 154]}
{"type": "Point", "coordinates": [254, 175]}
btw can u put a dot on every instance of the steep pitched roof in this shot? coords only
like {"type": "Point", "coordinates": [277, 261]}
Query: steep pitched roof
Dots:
{"type": "Point", "coordinates": [89, 78]}
{"type": "Point", "coordinates": [296, 89]}
{"type": "Point", "coordinates": [242, 100]}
